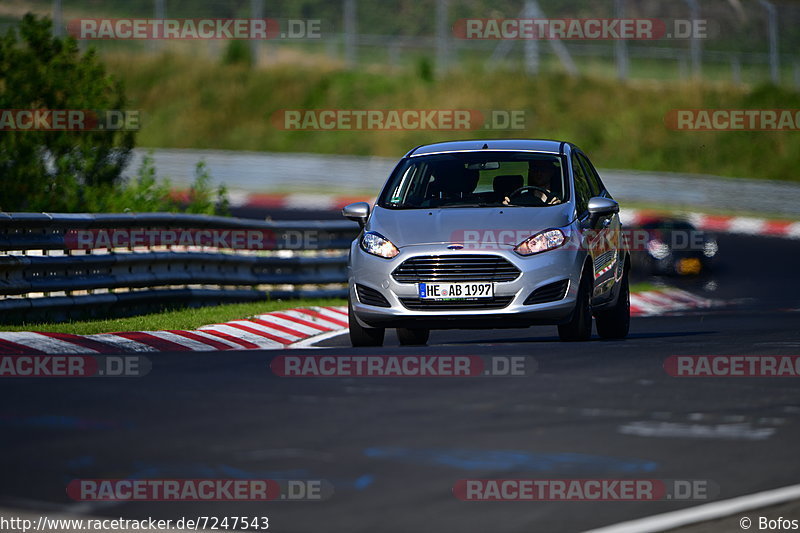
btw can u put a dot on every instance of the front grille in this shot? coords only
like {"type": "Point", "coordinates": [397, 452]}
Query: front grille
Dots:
{"type": "Point", "coordinates": [458, 267]}
{"type": "Point", "coordinates": [549, 293]}
{"type": "Point", "coordinates": [415, 304]}
{"type": "Point", "coordinates": [371, 297]}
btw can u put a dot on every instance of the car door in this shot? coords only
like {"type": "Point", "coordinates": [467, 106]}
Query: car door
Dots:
{"type": "Point", "coordinates": [609, 257]}
{"type": "Point", "coordinates": [594, 237]}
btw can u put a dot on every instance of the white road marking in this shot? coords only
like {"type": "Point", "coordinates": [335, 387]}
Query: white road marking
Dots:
{"type": "Point", "coordinates": [705, 512]}
{"type": "Point", "coordinates": [650, 428]}
{"type": "Point", "coordinates": [298, 313]}
{"type": "Point", "coordinates": [311, 341]}
{"type": "Point", "coordinates": [258, 340]}
{"type": "Point", "coordinates": [793, 231]}
{"type": "Point", "coordinates": [646, 307]}
{"type": "Point", "coordinates": [749, 226]}
{"type": "Point", "coordinates": [192, 344]}
{"type": "Point", "coordinates": [309, 201]}
{"type": "Point", "coordinates": [291, 324]}
{"type": "Point", "coordinates": [211, 337]}
{"type": "Point", "coordinates": [45, 344]}
{"type": "Point", "coordinates": [338, 315]}
{"type": "Point", "coordinates": [266, 329]}
{"type": "Point", "coordinates": [122, 342]}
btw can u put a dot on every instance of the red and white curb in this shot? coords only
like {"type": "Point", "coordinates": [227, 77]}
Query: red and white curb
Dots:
{"type": "Point", "coordinates": [668, 301]}
{"type": "Point", "coordinates": [722, 224]}
{"type": "Point", "coordinates": [718, 223]}
{"type": "Point", "coordinates": [291, 328]}
{"type": "Point", "coordinates": [276, 330]}
{"type": "Point", "coordinates": [300, 201]}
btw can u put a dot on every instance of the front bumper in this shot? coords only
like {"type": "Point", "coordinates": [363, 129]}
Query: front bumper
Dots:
{"type": "Point", "coordinates": [536, 271]}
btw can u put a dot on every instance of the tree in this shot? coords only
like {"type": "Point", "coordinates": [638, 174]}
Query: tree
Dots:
{"type": "Point", "coordinates": [50, 170]}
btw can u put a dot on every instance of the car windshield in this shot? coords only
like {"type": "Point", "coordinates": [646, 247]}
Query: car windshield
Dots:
{"type": "Point", "coordinates": [476, 179]}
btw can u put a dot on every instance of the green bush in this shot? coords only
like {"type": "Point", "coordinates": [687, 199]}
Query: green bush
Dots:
{"type": "Point", "coordinates": [238, 53]}
{"type": "Point", "coordinates": [76, 171]}
{"type": "Point", "coordinates": [47, 170]}
{"type": "Point", "coordinates": [145, 192]}
{"type": "Point", "coordinates": [202, 104]}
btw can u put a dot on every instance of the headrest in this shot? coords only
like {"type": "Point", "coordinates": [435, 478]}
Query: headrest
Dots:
{"type": "Point", "coordinates": [470, 180]}
{"type": "Point", "coordinates": [507, 184]}
{"type": "Point", "coordinates": [455, 179]}
{"type": "Point", "coordinates": [541, 171]}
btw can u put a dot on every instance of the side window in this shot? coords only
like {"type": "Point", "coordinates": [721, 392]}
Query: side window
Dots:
{"type": "Point", "coordinates": [582, 189]}
{"type": "Point", "coordinates": [591, 173]}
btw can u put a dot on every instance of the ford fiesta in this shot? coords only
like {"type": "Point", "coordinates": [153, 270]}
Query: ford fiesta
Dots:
{"type": "Point", "coordinates": [489, 234]}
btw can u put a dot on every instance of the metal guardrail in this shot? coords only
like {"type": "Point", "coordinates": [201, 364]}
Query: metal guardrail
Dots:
{"type": "Point", "coordinates": [47, 272]}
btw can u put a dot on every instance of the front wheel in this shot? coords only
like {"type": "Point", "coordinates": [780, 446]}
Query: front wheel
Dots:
{"type": "Point", "coordinates": [363, 336]}
{"type": "Point", "coordinates": [579, 328]}
{"type": "Point", "coordinates": [413, 337]}
{"type": "Point", "coordinates": [614, 323]}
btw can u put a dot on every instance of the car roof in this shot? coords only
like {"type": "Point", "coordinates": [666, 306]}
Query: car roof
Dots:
{"type": "Point", "coordinates": [521, 145]}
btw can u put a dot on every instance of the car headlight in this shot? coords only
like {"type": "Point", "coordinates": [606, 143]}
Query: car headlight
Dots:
{"type": "Point", "coordinates": [541, 242]}
{"type": "Point", "coordinates": [376, 244]}
{"type": "Point", "coordinates": [657, 249]}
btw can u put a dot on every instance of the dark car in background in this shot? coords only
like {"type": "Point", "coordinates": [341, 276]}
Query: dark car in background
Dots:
{"type": "Point", "coordinates": [665, 246]}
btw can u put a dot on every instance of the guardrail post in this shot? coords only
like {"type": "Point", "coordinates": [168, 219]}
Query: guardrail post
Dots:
{"type": "Point", "coordinates": [531, 45]}
{"type": "Point", "coordinates": [736, 69]}
{"type": "Point", "coordinates": [350, 33]}
{"type": "Point", "coordinates": [256, 12]}
{"type": "Point", "coordinates": [772, 28]}
{"type": "Point", "coordinates": [58, 18]}
{"type": "Point", "coordinates": [695, 49]}
{"type": "Point", "coordinates": [621, 45]}
{"type": "Point", "coordinates": [442, 39]}
{"type": "Point", "coordinates": [159, 13]}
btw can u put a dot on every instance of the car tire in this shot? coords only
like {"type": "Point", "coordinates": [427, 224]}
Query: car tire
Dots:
{"type": "Point", "coordinates": [413, 337]}
{"type": "Point", "coordinates": [361, 335]}
{"type": "Point", "coordinates": [579, 327]}
{"type": "Point", "coordinates": [615, 323]}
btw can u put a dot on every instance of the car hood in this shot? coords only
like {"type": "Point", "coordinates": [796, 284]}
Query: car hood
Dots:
{"type": "Point", "coordinates": [499, 225]}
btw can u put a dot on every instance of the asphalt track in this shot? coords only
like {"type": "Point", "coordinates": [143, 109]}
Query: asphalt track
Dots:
{"type": "Point", "coordinates": [393, 448]}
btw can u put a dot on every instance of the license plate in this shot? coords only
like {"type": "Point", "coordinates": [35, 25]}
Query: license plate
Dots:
{"type": "Point", "coordinates": [455, 291]}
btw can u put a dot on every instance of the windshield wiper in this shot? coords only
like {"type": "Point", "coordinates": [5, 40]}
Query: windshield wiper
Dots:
{"type": "Point", "coordinates": [471, 205]}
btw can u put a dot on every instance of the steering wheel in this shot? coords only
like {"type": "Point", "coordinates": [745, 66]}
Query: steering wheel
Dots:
{"type": "Point", "coordinates": [549, 195]}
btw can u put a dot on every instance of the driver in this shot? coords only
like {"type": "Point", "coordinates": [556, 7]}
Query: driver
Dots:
{"type": "Point", "coordinates": [543, 174]}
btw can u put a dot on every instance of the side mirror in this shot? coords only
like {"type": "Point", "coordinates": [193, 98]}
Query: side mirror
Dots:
{"type": "Point", "coordinates": [358, 211]}
{"type": "Point", "coordinates": [600, 207]}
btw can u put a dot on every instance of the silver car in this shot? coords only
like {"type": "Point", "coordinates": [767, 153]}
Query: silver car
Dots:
{"type": "Point", "coordinates": [489, 234]}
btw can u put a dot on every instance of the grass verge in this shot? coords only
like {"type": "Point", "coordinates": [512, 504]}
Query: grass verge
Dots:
{"type": "Point", "coordinates": [683, 210]}
{"type": "Point", "coordinates": [187, 319]}
{"type": "Point", "coordinates": [645, 286]}
{"type": "Point", "coordinates": [198, 103]}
